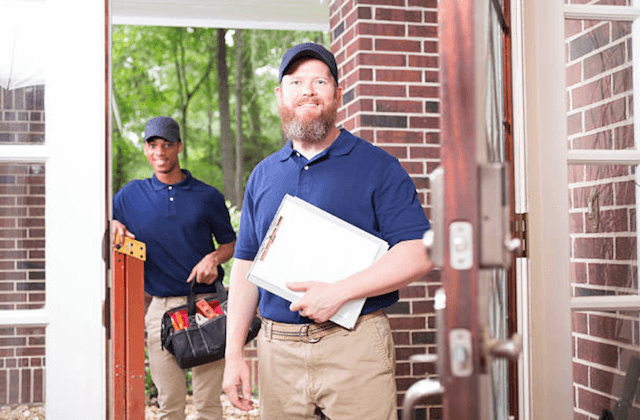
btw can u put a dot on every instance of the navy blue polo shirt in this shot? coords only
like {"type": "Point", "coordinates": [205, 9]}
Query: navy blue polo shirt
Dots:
{"type": "Point", "coordinates": [176, 222]}
{"type": "Point", "coordinates": [353, 180]}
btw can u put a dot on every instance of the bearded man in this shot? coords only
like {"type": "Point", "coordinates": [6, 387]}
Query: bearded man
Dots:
{"type": "Point", "coordinates": [310, 367]}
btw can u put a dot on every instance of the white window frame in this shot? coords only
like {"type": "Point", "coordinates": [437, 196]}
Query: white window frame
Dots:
{"type": "Point", "coordinates": [76, 175]}
{"type": "Point", "coordinates": [546, 391]}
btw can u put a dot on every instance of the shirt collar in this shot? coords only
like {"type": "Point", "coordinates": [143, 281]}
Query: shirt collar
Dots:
{"type": "Point", "coordinates": [341, 146]}
{"type": "Point", "coordinates": [185, 184]}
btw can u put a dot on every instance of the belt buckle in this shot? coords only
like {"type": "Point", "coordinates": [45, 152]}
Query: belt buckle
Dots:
{"type": "Point", "coordinates": [304, 334]}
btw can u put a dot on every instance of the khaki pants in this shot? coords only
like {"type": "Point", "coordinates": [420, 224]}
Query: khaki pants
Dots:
{"type": "Point", "coordinates": [348, 375]}
{"type": "Point", "coordinates": [169, 378]}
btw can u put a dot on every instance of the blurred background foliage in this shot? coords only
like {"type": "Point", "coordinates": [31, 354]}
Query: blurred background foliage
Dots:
{"type": "Point", "coordinates": [217, 83]}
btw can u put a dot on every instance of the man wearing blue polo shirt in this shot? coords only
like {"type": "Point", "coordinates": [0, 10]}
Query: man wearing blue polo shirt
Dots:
{"type": "Point", "coordinates": [176, 216]}
{"type": "Point", "coordinates": [309, 366]}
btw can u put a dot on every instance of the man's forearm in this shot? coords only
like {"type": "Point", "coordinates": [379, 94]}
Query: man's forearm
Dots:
{"type": "Point", "coordinates": [223, 253]}
{"type": "Point", "coordinates": [405, 262]}
{"type": "Point", "coordinates": [241, 308]}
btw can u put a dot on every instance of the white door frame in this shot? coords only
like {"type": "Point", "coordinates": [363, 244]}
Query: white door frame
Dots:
{"type": "Point", "coordinates": [74, 157]}
{"type": "Point", "coordinates": [548, 390]}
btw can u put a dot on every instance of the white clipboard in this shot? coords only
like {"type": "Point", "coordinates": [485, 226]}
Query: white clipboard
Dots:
{"type": "Point", "coordinates": [306, 243]}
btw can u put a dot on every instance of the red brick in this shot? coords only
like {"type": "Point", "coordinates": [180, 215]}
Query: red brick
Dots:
{"type": "Point", "coordinates": [625, 193]}
{"type": "Point", "coordinates": [360, 44]}
{"type": "Point", "coordinates": [613, 275]}
{"type": "Point", "coordinates": [396, 45]}
{"type": "Point", "coordinates": [424, 92]}
{"type": "Point", "coordinates": [38, 385]}
{"type": "Point", "coordinates": [412, 137]}
{"type": "Point", "coordinates": [382, 59]}
{"type": "Point", "coordinates": [414, 107]}
{"type": "Point", "coordinates": [574, 123]}
{"type": "Point", "coordinates": [572, 27]}
{"type": "Point", "coordinates": [412, 291]}
{"type": "Point", "coordinates": [397, 15]}
{"type": "Point", "coordinates": [616, 220]}
{"type": "Point", "coordinates": [600, 353]}
{"type": "Point", "coordinates": [576, 222]}
{"type": "Point", "coordinates": [592, 402]}
{"type": "Point", "coordinates": [14, 390]}
{"type": "Point", "coordinates": [606, 60]}
{"type": "Point", "coordinates": [624, 137]}
{"type": "Point", "coordinates": [590, 93]}
{"type": "Point", "coordinates": [382, 2]}
{"type": "Point", "coordinates": [578, 272]}
{"type": "Point", "coordinates": [425, 4]}
{"type": "Point", "coordinates": [600, 140]}
{"type": "Point", "coordinates": [430, 17]}
{"type": "Point", "coordinates": [424, 62]}
{"type": "Point", "coordinates": [626, 248]}
{"type": "Point", "coordinates": [379, 90]}
{"type": "Point", "coordinates": [4, 397]}
{"type": "Point", "coordinates": [408, 323]}
{"type": "Point", "coordinates": [605, 381]}
{"type": "Point", "coordinates": [399, 152]}
{"type": "Point", "coordinates": [599, 248]}
{"type": "Point", "coordinates": [423, 31]}
{"type": "Point", "coordinates": [424, 152]}
{"type": "Point", "coordinates": [403, 369]}
{"type": "Point", "coordinates": [424, 122]}
{"type": "Point", "coordinates": [580, 374]}
{"type": "Point", "coordinates": [579, 322]}
{"type": "Point", "coordinates": [574, 74]}
{"type": "Point", "coordinates": [611, 328]}
{"type": "Point", "coordinates": [431, 76]}
{"type": "Point", "coordinates": [380, 29]}
{"type": "Point", "coordinates": [422, 307]}
{"type": "Point", "coordinates": [606, 114]}
{"type": "Point", "coordinates": [581, 196]}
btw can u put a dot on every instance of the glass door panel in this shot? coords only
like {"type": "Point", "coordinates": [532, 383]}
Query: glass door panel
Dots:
{"type": "Point", "coordinates": [22, 209]}
{"type": "Point", "coordinates": [602, 189]}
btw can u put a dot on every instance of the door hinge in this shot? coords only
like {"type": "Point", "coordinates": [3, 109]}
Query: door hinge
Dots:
{"type": "Point", "coordinates": [520, 231]}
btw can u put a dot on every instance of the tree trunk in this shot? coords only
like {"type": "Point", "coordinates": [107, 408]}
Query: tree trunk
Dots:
{"type": "Point", "coordinates": [239, 133]}
{"type": "Point", "coordinates": [226, 136]}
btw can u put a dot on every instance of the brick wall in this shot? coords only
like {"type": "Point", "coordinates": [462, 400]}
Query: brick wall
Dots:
{"type": "Point", "coordinates": [22, 115]}
{"type": "Point", "coordinates": [387, 54]}
{"type": "Point", "coordinates": [22, 236]}
{"type": "Point", "coordinates": [602, 209]}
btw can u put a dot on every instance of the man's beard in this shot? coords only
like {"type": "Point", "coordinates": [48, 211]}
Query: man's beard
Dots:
{"type": "Point", "coordinates": [310, 131]}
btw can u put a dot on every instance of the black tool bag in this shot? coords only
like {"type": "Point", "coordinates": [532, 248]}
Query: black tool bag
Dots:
{"type": "Point", "coordinates": [197, 344]}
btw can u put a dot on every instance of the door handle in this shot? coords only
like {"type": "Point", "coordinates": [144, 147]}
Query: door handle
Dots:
{"type": "Point", "coordinates": [424, 388]}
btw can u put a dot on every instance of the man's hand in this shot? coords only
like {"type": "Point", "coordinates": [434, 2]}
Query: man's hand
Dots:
{"type": "Point", "coordinates": [320, 301]}
{"type": "Point", "coordinates": [118, 232]}
{"type": "Point", "coordinates": [237, 377]}
{"type": "Point", "coordinates": [206, 271]}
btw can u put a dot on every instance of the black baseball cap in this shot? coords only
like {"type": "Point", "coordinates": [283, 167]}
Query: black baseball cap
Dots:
{"type": "Point", "coordinates": [312, 50]}
{"type": "Point", "coordinates": [164, 127]}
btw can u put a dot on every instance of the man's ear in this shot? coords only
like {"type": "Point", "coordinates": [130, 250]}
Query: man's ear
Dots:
{"type": "Point", "coordinates": [180, 146]}
{"type": "Point", "coordinates": [279, 94]}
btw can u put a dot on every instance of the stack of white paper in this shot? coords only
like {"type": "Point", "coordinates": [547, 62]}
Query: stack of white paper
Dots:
{"type": "Point", "coordinates": [305, 243]}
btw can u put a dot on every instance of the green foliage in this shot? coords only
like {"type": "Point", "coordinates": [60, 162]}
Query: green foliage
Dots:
{"type": "Point", "coordinates": [156, 71]}
{"type": "Point", "coordinates": [234, 213]}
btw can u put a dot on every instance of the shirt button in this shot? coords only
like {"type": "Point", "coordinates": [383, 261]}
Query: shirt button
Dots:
{"type": "Point", "coordinates": [306, 168]}
{"type": "Point", "coordinates": [170, 187]}
{"type": "Point", "coordinates": [170, 198]}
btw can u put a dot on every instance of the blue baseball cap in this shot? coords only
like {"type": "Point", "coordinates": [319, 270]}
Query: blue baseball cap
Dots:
{"type": "Point", "coordinates": [312, 50]}
{"type": "Point", "coordinates": [164, 127]}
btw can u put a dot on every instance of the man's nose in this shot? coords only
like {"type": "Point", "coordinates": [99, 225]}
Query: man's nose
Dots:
{"type": "Point", "coordinates": [308, 89]}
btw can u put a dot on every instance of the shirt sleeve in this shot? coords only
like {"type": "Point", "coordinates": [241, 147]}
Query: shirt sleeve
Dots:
{"type": "Point", "coordinates": [221, 226]}
{"type": "Point", "coordinates": [398, 210]}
